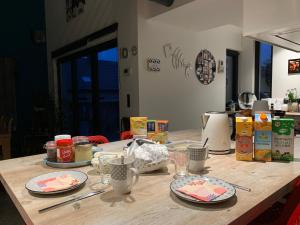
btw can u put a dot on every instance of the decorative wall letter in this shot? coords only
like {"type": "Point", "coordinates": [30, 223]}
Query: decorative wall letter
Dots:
{"type": "Point", "coordinates": [177, 59]}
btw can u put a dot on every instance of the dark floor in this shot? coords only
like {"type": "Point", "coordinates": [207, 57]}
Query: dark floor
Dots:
{"type": "Point", "coordinates": [9, 215]}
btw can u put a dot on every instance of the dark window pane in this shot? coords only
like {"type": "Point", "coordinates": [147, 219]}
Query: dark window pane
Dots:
{"type": "Point", "coordinates": [66, 97]}
{"type": "Point", "coordinates": [265, 71]}
{"type": "Point", "coordinates": [84, 92]}
{"type": "Point", "coordinates": [108, 103]}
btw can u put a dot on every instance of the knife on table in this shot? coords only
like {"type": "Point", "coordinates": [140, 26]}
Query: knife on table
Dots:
{"type": "Point", "coordinates": [87, 195]}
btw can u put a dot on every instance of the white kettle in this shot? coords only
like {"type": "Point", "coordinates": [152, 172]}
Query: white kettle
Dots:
{"type": "Point", "coordinates": [216, 129]}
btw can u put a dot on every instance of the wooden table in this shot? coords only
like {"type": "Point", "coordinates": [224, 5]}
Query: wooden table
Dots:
{"type": "Point", "coordinates": [151, 201]}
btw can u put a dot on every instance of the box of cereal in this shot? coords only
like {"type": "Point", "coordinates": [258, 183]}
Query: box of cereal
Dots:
{"type": "Point", "coordinates": [138, 126]}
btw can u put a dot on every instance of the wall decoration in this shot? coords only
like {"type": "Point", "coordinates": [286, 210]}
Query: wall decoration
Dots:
{"type": "Point", "coordinates": [205, 67]}
{"type": "Point", "coordinates": [153, 64]}
{"type": "Point", "coordinates": [294, 66]}
{"type": "Point", "coordinates": [177, 59]}
{"type": "Point", "coordinates": [220, 66]}
{"type": "Point", "coordinates": [74, 8]}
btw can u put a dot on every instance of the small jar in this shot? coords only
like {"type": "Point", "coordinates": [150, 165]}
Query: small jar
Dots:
{"type": "Point", "coordinates": [50, 146]}
{"type": "Point", "coordinates": [83, 149]}
{"type": "Point", "coordinates": [65, 152]}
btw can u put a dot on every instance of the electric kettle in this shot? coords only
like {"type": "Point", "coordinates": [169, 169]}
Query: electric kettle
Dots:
{"type": "Point", "coordinates": [216, 129]}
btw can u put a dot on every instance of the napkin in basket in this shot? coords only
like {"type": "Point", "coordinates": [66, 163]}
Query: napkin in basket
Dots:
{"type": "Point", "coordinates": [202, 190]}
{"type": "Point", "coordinates": [148, 156]}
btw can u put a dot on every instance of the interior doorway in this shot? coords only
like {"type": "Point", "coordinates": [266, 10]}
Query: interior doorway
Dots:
{"type": "Point", "coordinates": [88, 84]}
{"type": "Point", "coordinates": [231, 76]}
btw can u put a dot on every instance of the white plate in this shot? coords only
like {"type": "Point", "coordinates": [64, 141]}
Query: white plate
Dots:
{"type": "Point", "coordinates": [185, 180]}
{"type": "Point", "coordinates": [32, 186]}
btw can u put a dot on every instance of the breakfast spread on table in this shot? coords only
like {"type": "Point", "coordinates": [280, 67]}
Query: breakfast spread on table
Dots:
{"type": "Point", "coordinates": [261, 139]}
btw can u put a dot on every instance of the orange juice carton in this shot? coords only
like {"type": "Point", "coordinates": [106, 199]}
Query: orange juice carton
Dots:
{"type": "Point", "coordinates": [138, 126]}
{"type": "Point", "coordinates": [263, 121]}
{"type": "Point", "coordinates": [263, 145]}
{"type": "Point", "coordinates": [244, 126]}
{"type": "Point", "coordinates": [244, 140]}
{"type": "Point", "coordinates": [283, 139]}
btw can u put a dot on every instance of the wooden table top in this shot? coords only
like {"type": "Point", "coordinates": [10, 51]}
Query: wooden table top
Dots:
{"type": "Point", "coordinates": [151, 201]}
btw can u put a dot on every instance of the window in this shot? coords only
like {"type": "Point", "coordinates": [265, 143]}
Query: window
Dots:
{"type": "Point", "coordinates": [89, 92]}
{"type": "Point", "coordinates": [263, 70]}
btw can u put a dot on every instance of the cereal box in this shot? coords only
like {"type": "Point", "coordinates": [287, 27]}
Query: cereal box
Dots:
{"type": "Point", "coordinates": [158, 130]}
{"type": "Point", "coordinates": [283, 139]}
{"type": "Point", "coordinates": [244, 139]}
{"type": "Point", "coordinates": [138, 125]}
{"type": "Point", "coordinates": [162, 126]}
{"type": "Point", "coordinates": [151, 126]}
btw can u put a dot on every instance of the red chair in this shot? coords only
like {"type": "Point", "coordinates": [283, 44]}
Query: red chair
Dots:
{"type": "Point", "coordinates": [126, 135]}
{"type": "Point", "coordinates": [98, 139]}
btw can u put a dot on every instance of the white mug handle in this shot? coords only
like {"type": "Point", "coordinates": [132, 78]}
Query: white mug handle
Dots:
{"type": "Point", "coordinates": [136, 174]}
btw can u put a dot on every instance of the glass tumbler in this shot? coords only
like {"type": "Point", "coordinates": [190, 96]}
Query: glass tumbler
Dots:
{"type": "Point", "coordinates": [104, 167]}
{"type": "Point", "coordinates": [179, 157]}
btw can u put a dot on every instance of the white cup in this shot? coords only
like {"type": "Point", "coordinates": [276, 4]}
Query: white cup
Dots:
{"type": "Point", "coordinates": [197, 155]}
{"type": "Point", "coordinates": [122, 175]}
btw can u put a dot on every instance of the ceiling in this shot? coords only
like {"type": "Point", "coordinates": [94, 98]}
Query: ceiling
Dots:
{"type": "Point", "coordinates": [201, 15]}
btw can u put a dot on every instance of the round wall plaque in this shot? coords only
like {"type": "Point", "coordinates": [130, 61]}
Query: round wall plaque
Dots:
{"type": "Point", "coordinates": [205, 67]}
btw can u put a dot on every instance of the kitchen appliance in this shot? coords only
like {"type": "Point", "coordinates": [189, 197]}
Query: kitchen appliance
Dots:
{"type": "Point", "coordinates": [246, 100]}
{"type": "Point", "coordinates": [216, 129]}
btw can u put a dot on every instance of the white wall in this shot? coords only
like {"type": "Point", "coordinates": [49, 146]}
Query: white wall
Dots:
{"type": "Point", "coordinates": [281, 79]}
{"type": "Point", "coordinates": [168, 94]}
{"type": "Point", "coordinates": [261, 16]}
{"type": "Point", "coordinates": [247, 66]}
{"type": "Point", "coordinates": [97, 15]}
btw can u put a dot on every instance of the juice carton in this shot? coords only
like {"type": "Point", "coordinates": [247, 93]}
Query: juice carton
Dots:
{"type": "Point", "coordinates": [263, 121]}
{"type": "Point", "coordinates": [263, 145]}
{"type": "Point", "coordinates": [138, 125]}
{"type": "Point", "coordinates": [244, 148]}
{"type": "Point", "coordinates": [244, 140]}
{"type": "Point", "coordinates": [263, 136]}
{"type": "Point", "coordinates": [244, 126]}
{"type": "Point", "coordinates": [283, 139]}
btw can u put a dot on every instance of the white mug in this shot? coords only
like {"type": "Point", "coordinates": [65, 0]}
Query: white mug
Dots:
{"type": "Point", "coordinates": [122, 175]}
{"type": "Point", "coordinates": [197, 155]}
